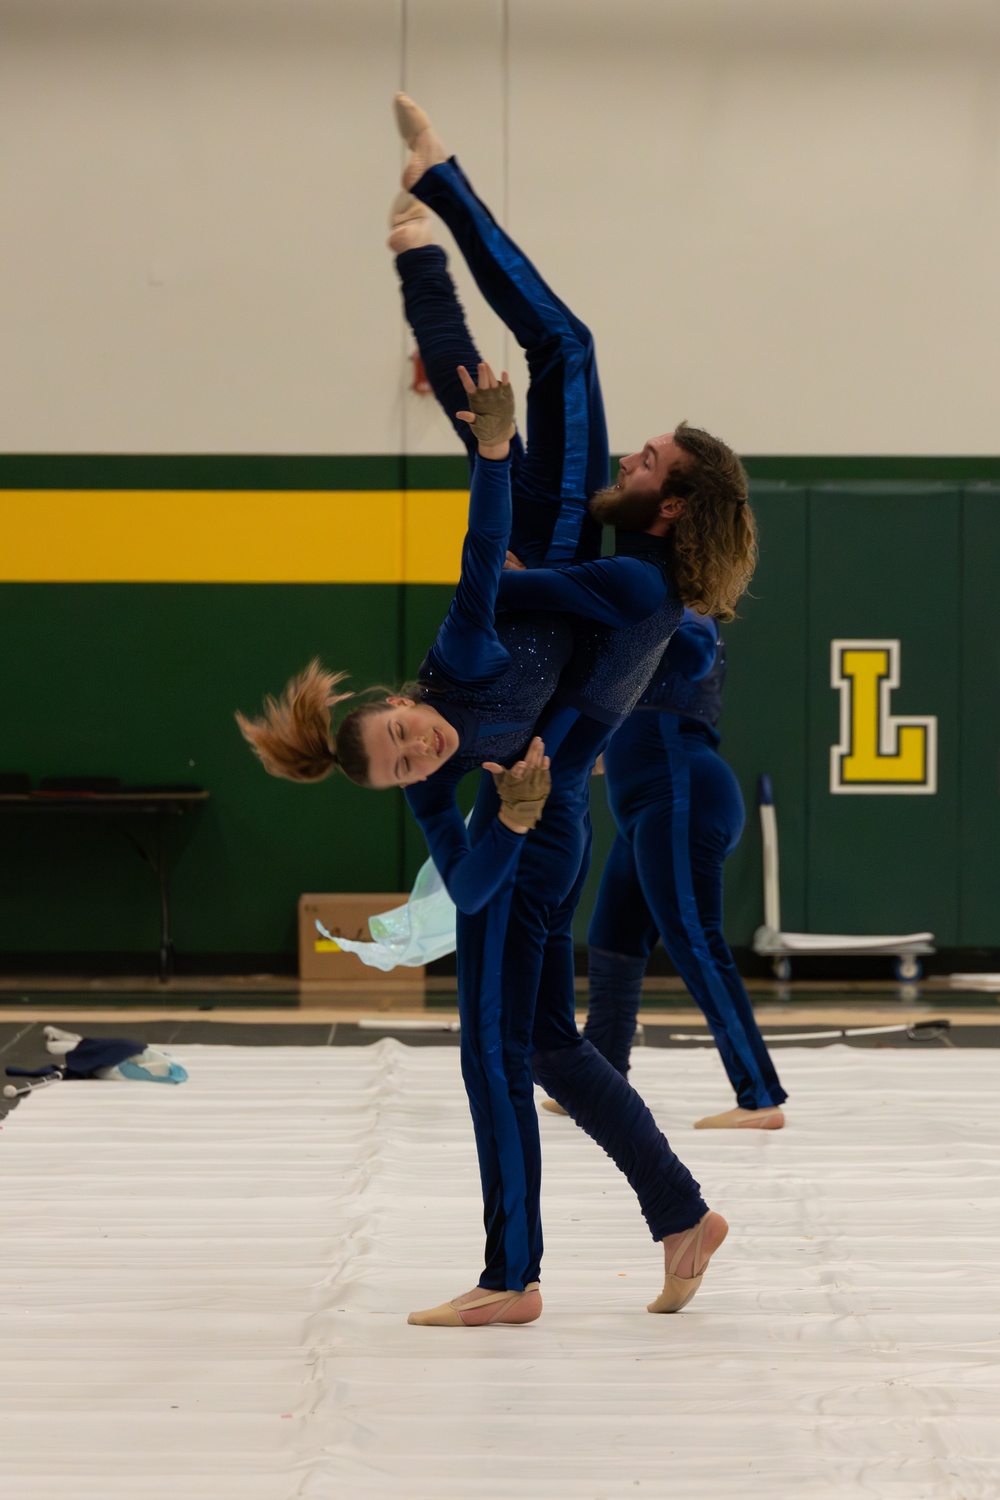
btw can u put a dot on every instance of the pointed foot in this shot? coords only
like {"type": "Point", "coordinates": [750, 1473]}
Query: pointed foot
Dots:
{"type": "Point", "coordinates": [687, 1256]}
{"type": "Point", "coordinates": [426, 150]}
{"type": "Point", "coordinates": [410, 118]}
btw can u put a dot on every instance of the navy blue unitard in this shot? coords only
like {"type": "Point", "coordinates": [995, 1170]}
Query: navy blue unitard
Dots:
{"type": "Point", "coordinates": [491, 682]}
{"type": "Point", "coordinates": [516, 949]}
{"type": "Point", "coordinates": [679, 814]}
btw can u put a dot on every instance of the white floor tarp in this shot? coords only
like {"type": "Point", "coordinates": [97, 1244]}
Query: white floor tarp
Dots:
{"type": "Point", "coordinates": [203, 1290]}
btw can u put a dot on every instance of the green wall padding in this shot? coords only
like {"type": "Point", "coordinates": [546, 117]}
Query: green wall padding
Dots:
{"type": "Point", "coordinates": [142, 681]}
{"type": "Point", "coordinates": [978, 670]}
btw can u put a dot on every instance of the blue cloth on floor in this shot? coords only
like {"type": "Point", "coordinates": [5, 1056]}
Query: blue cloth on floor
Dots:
{"type": "Point", "coordinates": [93, 1055]}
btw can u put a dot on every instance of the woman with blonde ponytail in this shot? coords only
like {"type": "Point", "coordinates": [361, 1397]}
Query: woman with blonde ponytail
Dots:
{"type": "Point", "coordinates": [294, 737]}
{"type": "Point", "coordinates": [482, 688]}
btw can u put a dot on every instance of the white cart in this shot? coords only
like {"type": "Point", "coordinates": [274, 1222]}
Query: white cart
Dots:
{"type": "Point", "coordinates": [781, 947]}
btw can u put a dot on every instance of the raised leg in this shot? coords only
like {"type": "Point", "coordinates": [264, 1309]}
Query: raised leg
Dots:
{"type": "Point", "coordinates": [567, 444]}
{"type": "Point", "coordinates": [437, 318]}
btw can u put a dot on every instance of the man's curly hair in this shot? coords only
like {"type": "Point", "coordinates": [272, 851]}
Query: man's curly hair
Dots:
{"type": "Point", "coordinates": [714, 539]}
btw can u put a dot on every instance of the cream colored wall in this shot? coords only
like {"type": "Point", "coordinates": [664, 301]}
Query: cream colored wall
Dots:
{"type": "Point", "coordinates": [781, 219]}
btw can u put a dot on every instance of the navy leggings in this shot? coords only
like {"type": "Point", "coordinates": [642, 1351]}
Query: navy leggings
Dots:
{"type": "Point", "coordinates": [515, 958]}
{"type": "Point", "coordinates": [565, 458]}
{"type": "Point", "coordinates": [664, 877]}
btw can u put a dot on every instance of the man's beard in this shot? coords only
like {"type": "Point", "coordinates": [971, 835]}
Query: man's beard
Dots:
{"type": "Point", "coordinates": [614, 507]}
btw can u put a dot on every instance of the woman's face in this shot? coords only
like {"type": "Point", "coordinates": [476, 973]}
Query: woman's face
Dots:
{"type": "Point", "coordinates": [407, 743]}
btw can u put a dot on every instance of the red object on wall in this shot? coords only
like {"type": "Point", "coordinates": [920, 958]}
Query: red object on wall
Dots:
{"type": "Point", "coordinates": [420, 383]}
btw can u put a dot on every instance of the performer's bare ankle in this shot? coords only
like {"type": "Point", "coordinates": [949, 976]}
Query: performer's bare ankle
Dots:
{"type": "Point", "coordinates": [410, 223]}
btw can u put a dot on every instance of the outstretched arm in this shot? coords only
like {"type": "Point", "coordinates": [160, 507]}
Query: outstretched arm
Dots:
{"type": "Point", "coordinates": [466, 648]}
{"type": "Point", "coordinates": [473, 873]}
{"type": "Point", "coordinates": [617, 591]}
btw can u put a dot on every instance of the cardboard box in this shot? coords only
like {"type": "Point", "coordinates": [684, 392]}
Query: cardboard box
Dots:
{"type": "Point", "coordinates": [347, 914]}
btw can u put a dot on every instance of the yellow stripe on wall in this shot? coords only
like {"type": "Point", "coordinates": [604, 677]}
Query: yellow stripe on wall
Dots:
{"type": "Point", "coordinates": [231, 536]}
{"type": "Point", "coordinates": [434, 523]}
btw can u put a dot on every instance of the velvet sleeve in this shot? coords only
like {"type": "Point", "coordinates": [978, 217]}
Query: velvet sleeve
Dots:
{"type": "Point", "coordinates": [616, 591]}
{"type": "Point", "coordinates": [466, 648]}
{"type": "Point", "coordinates": [472, 873]}
{"type": "Point", "coordinates": [693, 646]}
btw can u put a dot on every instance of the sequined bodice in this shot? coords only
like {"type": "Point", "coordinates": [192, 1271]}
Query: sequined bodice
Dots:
{"type": "Point", "coordinates": [674, 693]}
{"type": "Point", "coordinates": [610, 668]}
{"type": "Point", "coordinates": [504, 711]}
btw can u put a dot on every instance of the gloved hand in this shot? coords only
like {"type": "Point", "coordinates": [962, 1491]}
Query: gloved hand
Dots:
{"type": "Point", "coordinates": [523, 788]}
{"type": "Point", "coordinates": [523, 797]}
{"type": "Point", "coordinates": [491, 406]}
{"type": "Point", "coordinates": [494, 409]}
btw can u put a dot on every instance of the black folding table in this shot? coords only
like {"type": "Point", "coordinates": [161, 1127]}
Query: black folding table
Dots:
{"type": "Point", "coordinates": [119, 808]}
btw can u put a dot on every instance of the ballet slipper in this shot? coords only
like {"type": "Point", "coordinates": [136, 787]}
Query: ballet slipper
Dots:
{"type": "Point", "coordinates": [410, 222]}
{"type": "Point", "coordinates": [410, 118]}
{"type": "Point", "coordinates": [771, 1117]}
{"type": "Point", "coordinates": [553, 1107]}
{"type": "Point", "coordinates": [477, 1308]}
{"type": "Point", "coordinates": [419, 134]}
{"type": "Point", "coordinates": [703, 1241]}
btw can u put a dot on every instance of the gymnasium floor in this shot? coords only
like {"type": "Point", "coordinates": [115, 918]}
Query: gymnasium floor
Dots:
{"type": "Point", "coordinates": [203, 1289]}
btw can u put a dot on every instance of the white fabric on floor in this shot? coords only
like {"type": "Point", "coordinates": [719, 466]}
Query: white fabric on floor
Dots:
{"type": "Point", "coordinates": [203, 1290]}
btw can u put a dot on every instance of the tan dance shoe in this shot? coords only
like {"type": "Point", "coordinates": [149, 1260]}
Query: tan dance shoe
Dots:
{"type": "Point", "coordinates": [704, 1239]}
{"type": "Point", "coordinates": [554, 1108]}
{"type": "Point", "coordinates": [771, 1117]}
{"type": "Point", "coordinates": [477, 1308]}
{"type": "Point", "coordinates": [411, 120]}
{"type": "Point", "coordinates": [423, 140]}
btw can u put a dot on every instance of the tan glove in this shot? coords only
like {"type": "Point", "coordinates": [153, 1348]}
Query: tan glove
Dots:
{"type": "Point", "coordinates": [524, 797]}
{"type": "Point", "coordinates": [494, 409]}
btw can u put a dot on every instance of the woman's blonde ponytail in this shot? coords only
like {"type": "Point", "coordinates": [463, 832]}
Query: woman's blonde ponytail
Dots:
{"type": "Point", "coordinates": [294, 737]}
